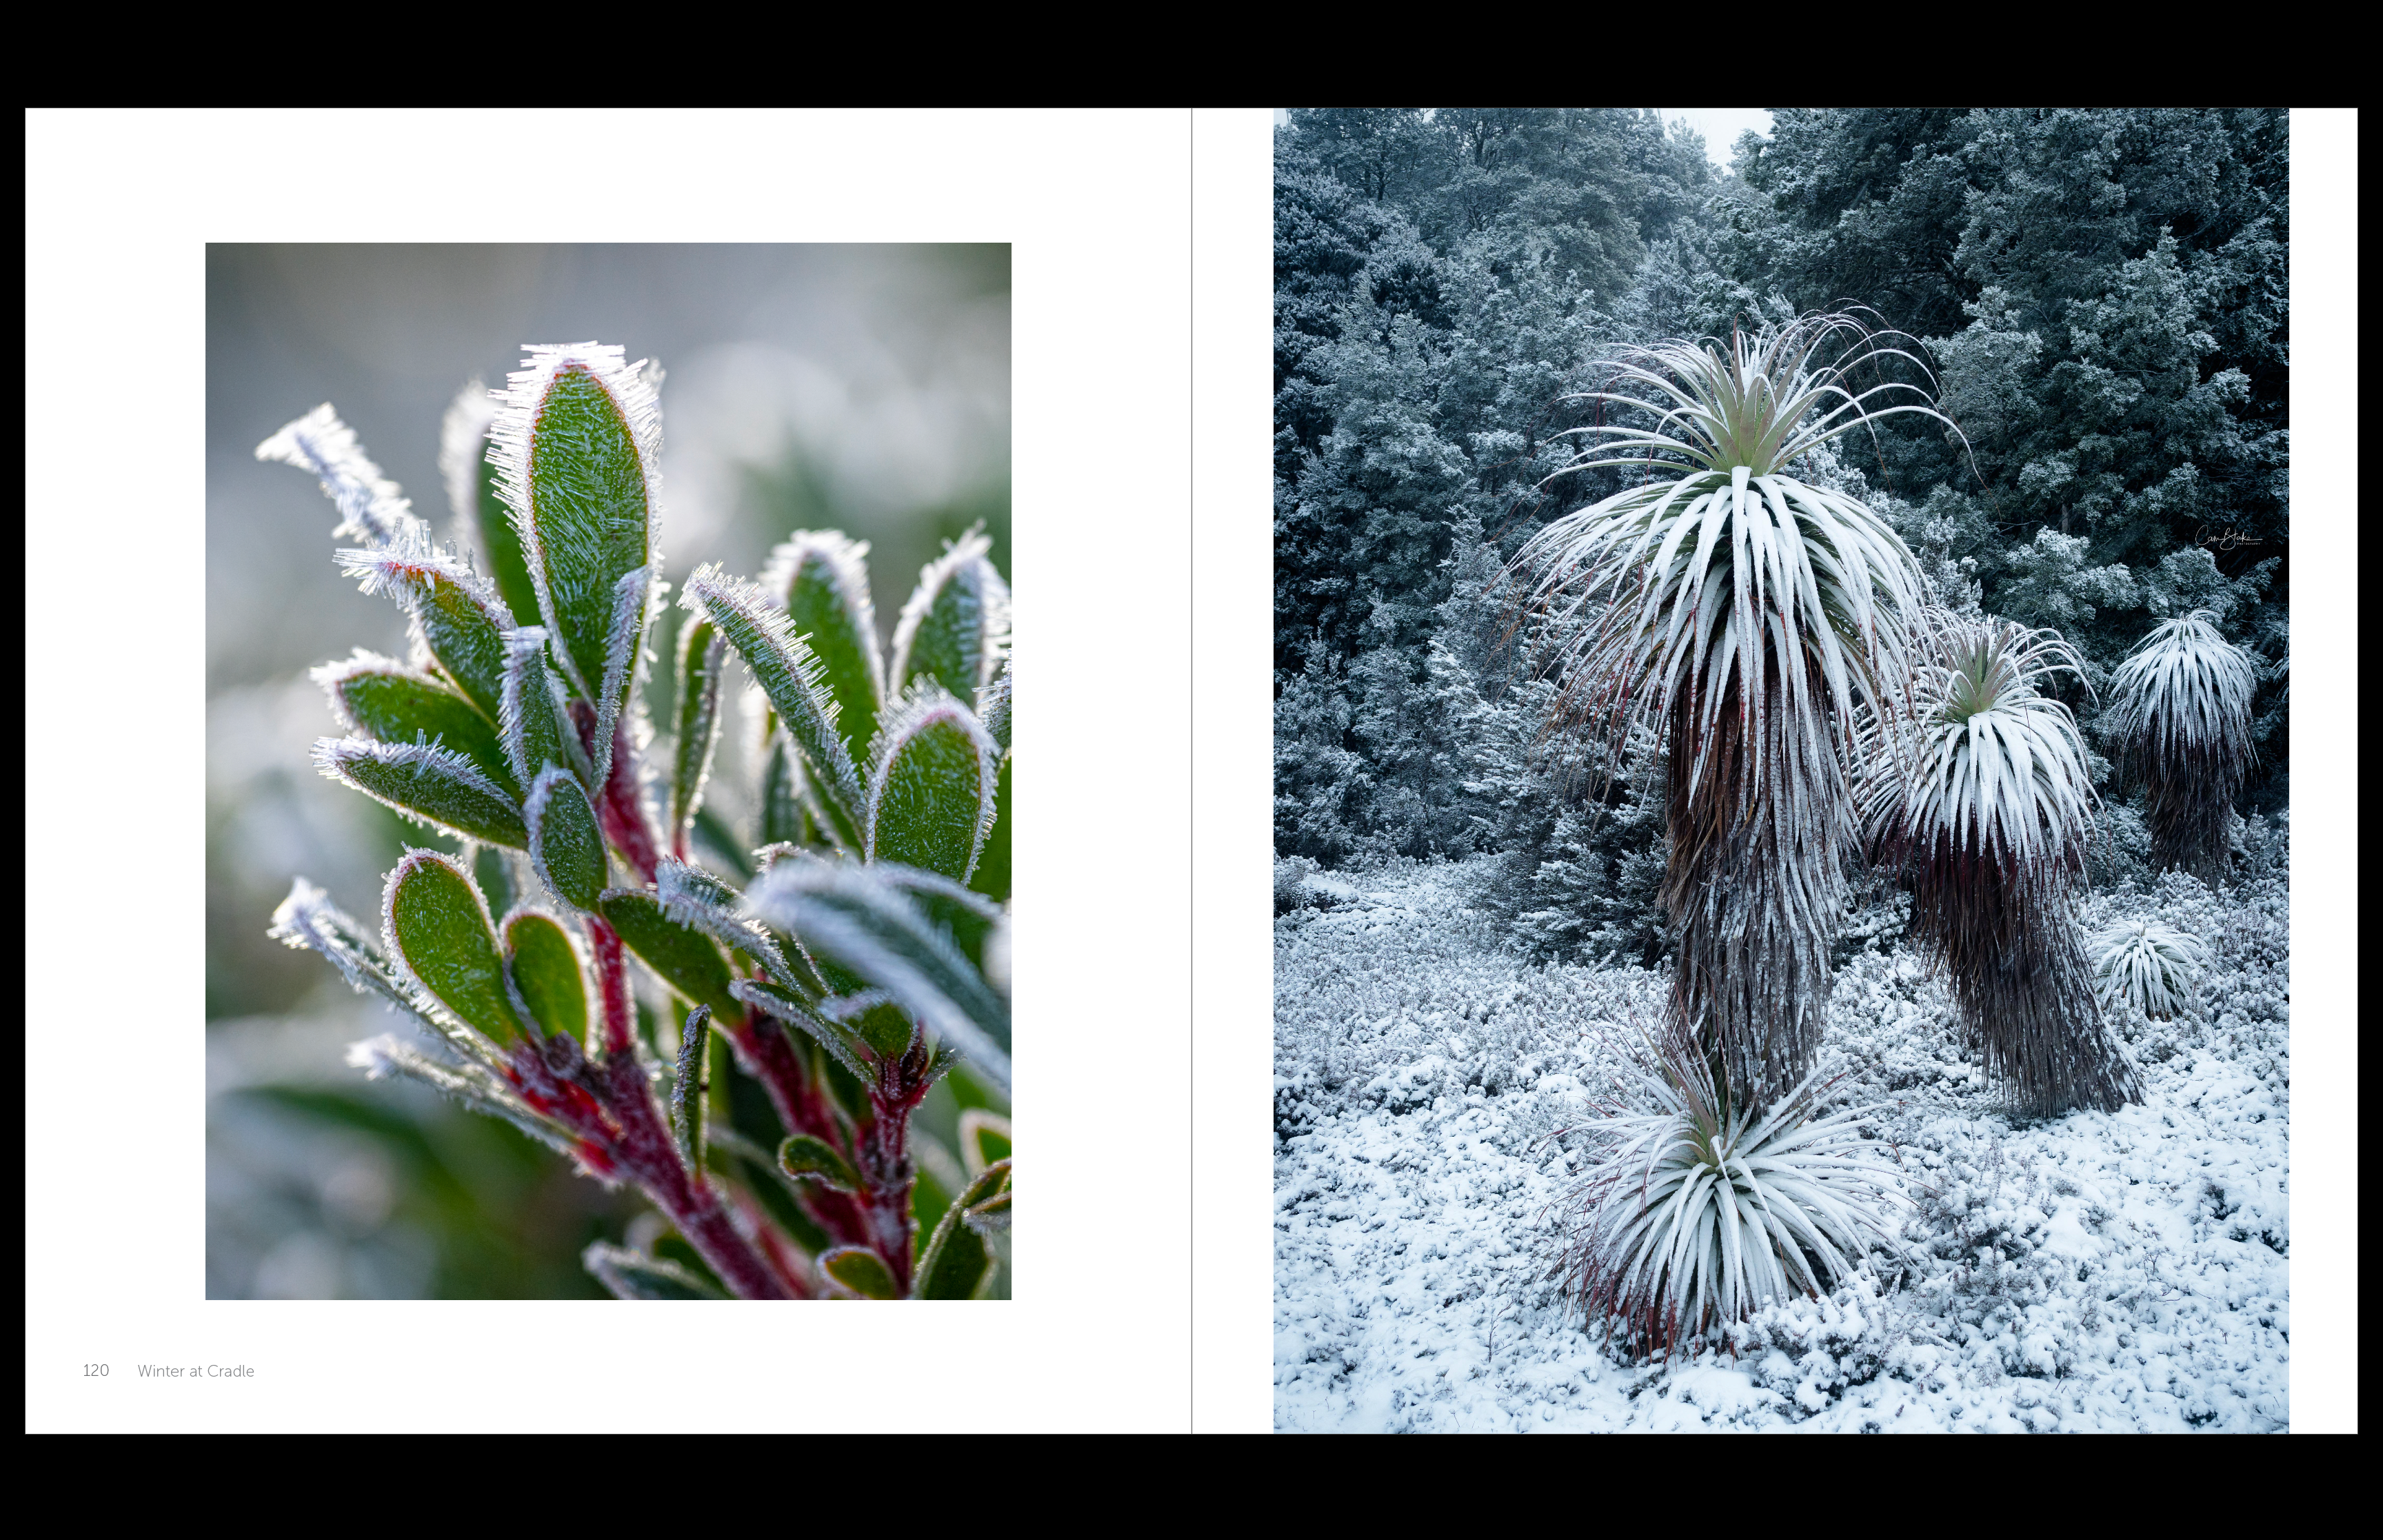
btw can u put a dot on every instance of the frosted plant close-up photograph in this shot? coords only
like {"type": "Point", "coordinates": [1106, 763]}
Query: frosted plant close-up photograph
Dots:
{"type": "Point", "coordinates": [640, 822]}
{"type": "Point", "coordinates": [1782, 769]}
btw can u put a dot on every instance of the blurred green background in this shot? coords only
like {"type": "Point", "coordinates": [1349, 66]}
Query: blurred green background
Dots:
{"type": "Point", "coordinates": [858, 387]}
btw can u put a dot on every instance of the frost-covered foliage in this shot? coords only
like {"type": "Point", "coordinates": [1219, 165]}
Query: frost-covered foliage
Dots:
{"type": "Point", "coordinates": [2182, 723]}
{"type": "Point", "coordinates": [1695, 1212]}
{"type": "Point", "coordinates": [2148, 966]}
{"type": "Point", "coordinates": [1975, 789]}
{"type": "Point", "coordinates": [2115, 1272]}
{"type": "Point", "coordinates": [758, 1083]}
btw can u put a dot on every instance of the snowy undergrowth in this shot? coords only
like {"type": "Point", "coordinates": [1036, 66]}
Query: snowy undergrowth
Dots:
{"type": "Point", "coordinates": [2092, 1272]}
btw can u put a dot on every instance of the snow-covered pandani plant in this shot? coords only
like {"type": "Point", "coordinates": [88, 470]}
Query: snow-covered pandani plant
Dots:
{"type": "Point", "coordinates": [846, 959]}
{"type": "Point", "coordinates": [1977, 792]}
{"type": "Point", "coordinates": [2181, 720]}
{"type": "Point", "coordinates": [1743, 613]}
{"type": "Point", "coordinates": [2148, 966]}
{"type": "Point", "coordinates": [1695, 1210]}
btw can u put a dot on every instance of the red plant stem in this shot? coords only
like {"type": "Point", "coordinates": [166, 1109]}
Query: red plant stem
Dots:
{"type": "Point", "coordinates": [612, 981]}
{"type": "Point", "coordinates": [692, 1203]}
{"type": "Point", "coordinates": [772, 1244]}
{"type": "Point", "coordinates": [622, 808]}
{"type": "Point", "coordinates": [884, 1163]}
{"type": "Point", "coordinates": [761, 1047]}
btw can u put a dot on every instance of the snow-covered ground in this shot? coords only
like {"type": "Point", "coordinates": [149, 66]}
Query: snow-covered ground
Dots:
{"type": "Point", "coordinates": [2092, 1273]}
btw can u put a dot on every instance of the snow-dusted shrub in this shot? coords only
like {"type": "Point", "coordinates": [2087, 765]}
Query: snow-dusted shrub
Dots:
{"type": "Point", "coordinates": [1873, 922]}
{"type": "Point", "coordinates": [2118, 852]}
{"type": "Point", "coordinates": [1693, 1214]}
{"type": "Point", "coordinates": [2148, 966]}
{"type": "Point", "coordinates": [2266, 846]}
{"type": "Point", "coordinates": [2181, 718]}
{"type": "Point", "coordinates": [1290, 883]}
{"type": "Point", "coordinates": [865, 957]}
{"type": "Point", "coordinates": [1810, 1351]}
{"type": "Point", "coordinates": [1412, 978]}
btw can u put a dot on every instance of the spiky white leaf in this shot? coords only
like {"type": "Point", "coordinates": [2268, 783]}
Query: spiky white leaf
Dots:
{"type": "Point", "coordinates": [371, 507]}
{"type": "Point", "coordinates": [512, 429]}
{"type": "Point", "coordinates": [2147, 965]}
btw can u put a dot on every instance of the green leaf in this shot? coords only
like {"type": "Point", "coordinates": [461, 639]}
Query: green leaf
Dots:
{"type": "Point", "coordinates": [993, 706]}
{"type": "Point", "coordinates": [635, 1276]}
{"type": "Point", "coordinates": [956, 625]}
{"type": "Point", "coordinates": [457, 617]}
{"type": "Point", "coordinates": [577, 436]}
{"type": "Point", "coordinates": [494, 873]}
{"type": "Point", "coordinates": [992, 875]}
{"type": "Point", "coordinates": [565, 846]}
{"type": "Point", "coordinates": [930, 797]}
{"type": "Point", "coordinates": [687, 1087]}
{"type": "Point", "coordinates": [382, 699]}
{"type": "Point", "coordinates": [852, 918]}
{"type": "Point", "coordinates": [309, 920]}
{"type": "Point", "coordinates": [544, 968]}
{"type": "Point", "coordinates": [859, 1269]}
{"type": "Point", "coordinates": [435, 925]}
{"type": "Point", "coordinates": [886, 1027]}
{"type": "Point", "coordinates": [969, 918]}
{"type": "Point", "coordinates": [825, 583]}
{"type": "Point", "coordinates": [785, 807]}
{"type": "Point", "coordinates": [429, 784]}
{"type": "Point", "coordinates": [670, 1246]}
{"type": "Point", "coordinates": [530, 715]}
{"type": "Point", "coordinates": [464, 626]}
{"type": "Point", "coordinates": [702, 655]}
{"type": "Point", "coordinates": [839, 1041]}
{"type": "Point", "coordinates": [682, 958]}
{"type": "Point", "coordinates": [955, 1263]}
{"type": "Point", "coordinates": [783, 665]}
{"type": "Point", "coordinates": [694, 897]}
{"type": "Point", "coordinates": [817, 1159]}
{"type": "Point", "coordinates": [629, 616]}
{"type": "Point", "coordinates": [984, 1140]}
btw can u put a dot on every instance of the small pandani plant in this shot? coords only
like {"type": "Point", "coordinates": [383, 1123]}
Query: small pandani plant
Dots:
{"type": "Point", "coordinates": [2148, 966]}
{"type": "Point", "coordinates": [1696, 1208]}
{"type": "Point", "coordinates": [2182, 719]}
{"type": "Point", "coordinates": [848, 957]}
{"type": "Point", "coordinates": [1977, 792]}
